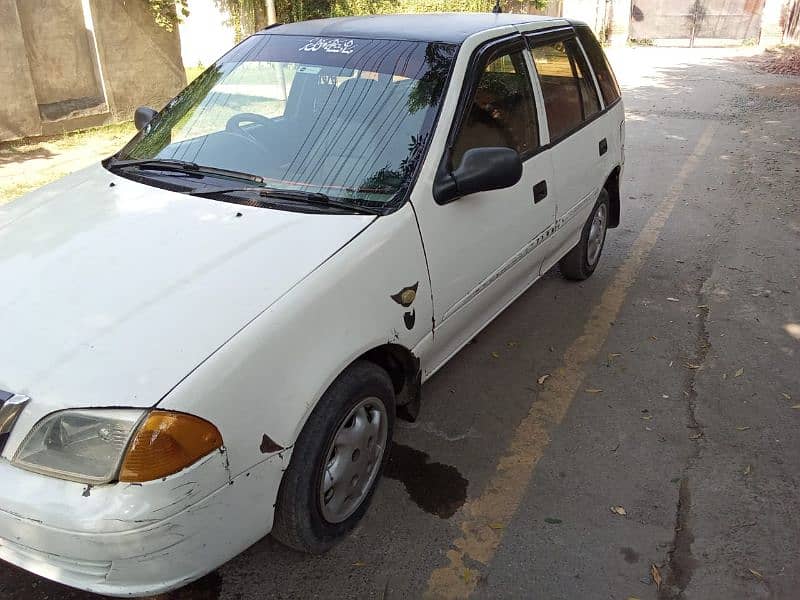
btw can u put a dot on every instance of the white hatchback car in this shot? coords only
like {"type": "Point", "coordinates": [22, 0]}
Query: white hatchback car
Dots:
{"type": "Point", "coordinates": [208, 336]}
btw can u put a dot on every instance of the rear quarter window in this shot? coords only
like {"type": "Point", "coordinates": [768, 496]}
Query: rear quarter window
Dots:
{"type": "Point", "coordinates": [602, 69]}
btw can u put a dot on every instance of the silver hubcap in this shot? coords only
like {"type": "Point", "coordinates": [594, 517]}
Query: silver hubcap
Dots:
{"type": "Point", "coordinates": [353, 460]}
{"type": "Point", "coordinates": [597, 234]}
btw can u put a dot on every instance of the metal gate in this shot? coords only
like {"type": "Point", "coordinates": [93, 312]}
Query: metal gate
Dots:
{"type": "Point", "coordinates": [691, 22]}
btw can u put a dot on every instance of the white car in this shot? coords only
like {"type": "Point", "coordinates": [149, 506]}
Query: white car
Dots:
{"type": "Point", "coordinates": [207, 337]}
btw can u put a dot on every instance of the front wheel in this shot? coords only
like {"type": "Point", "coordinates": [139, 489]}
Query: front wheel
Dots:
{"type": "Point", "coordinates": [582, 260]}
{"type": "Point", "coordinates": [337, 460]}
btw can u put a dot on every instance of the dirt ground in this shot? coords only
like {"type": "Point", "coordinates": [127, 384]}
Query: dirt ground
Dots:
{"type": "Point", "coordinates": [635, 435]}
{"type": "Point", "coordinates": [28, 164]}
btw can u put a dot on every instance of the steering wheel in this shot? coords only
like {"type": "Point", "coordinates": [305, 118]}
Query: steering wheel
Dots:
{"type": "Point", "coordinates": [234, 125]}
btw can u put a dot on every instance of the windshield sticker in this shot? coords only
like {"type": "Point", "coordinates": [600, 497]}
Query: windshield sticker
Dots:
{"type": "Point", "coordinates": [308, 69]}
{"type": "Point", "coordinates": [330, 45]}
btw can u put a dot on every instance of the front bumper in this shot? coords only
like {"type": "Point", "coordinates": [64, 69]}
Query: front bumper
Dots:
{"type": "Point", "coordinates": [131, 539]}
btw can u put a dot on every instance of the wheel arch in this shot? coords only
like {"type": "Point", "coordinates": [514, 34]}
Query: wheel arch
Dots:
{"type": "Point", "coordinates": [615, 206]}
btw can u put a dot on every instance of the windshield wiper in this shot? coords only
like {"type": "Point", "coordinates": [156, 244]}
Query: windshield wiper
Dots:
{"type": "Point", "coordinates": [313, 198]}
{"type": "Point", "coordinates": [182, 166]}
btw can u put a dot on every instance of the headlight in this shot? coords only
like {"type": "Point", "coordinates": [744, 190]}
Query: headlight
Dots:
{"type": "Point", "coordinates": [103, 445]}
{"type": "Point", "coordinates": [83, 445]}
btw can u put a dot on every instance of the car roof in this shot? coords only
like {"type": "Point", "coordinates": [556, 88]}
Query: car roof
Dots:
{"type": "Point", "coordinates": [423, 27]}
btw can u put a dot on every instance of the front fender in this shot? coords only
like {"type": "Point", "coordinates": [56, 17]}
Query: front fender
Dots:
{"type": "Point", "coordinates": [260, 387]}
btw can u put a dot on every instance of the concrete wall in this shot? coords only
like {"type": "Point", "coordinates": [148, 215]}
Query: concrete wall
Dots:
{"type": "Point", "coordinates": [141, 62]}
{"type": "Point", "coordinates": [60, 57]}
{"type": "Point", "coordinates": [19, 114]}
{"type": "Point", "coordinates": [68, 64]}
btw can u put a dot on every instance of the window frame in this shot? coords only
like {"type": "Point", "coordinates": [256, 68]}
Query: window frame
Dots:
{"type": "Point", "coordinates": [550, 36]}
{"type": "Point", "coordinates": [480, 58]}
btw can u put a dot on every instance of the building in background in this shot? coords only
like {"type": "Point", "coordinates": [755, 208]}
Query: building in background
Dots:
{"type": "Point", "coordinates": [70, 64]}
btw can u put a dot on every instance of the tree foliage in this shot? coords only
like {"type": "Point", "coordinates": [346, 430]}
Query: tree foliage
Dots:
{"type": "Point", "coordinates": [168, 13]}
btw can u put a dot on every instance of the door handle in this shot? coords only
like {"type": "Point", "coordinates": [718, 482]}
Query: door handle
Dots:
{"type": "Point", "coordinates": [540, 191]}
{"type": "Point", "coordinates": [603, 146]}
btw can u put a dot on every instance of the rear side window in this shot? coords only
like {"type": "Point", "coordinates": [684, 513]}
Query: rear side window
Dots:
{"type": "Point", "coordinates": [502, 110]}
{"type": "Point", "coordinates": [570, 97]}
{"type": "Point", "coordinates": [602, 70]}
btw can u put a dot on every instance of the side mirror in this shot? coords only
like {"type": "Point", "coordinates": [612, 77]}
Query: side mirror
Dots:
{"type": "Point", "coordinates": [142, 116]}
{"type": "Point", "coordinates": [481, 170]}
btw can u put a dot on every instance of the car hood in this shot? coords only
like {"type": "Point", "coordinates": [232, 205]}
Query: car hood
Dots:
{"type": "Point", "coordinates": [112, 291]}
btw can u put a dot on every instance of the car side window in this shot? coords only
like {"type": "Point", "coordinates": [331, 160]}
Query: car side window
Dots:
{"type": "Point", "coordinates": [570, 97]}
{"type": "Point", "coordinates": [602, 70]}
{"type": "Point", "coordinates": [502, 111]}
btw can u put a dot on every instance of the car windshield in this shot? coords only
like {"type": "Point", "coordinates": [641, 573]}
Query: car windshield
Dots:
{"type": "Point", "coordinates": [349, 118]}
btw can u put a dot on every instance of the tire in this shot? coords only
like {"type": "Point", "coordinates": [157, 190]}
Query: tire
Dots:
{"type": "Point", "coordinates": [582, 260]}
{"type": "Point", "coordinates": [312, 514]}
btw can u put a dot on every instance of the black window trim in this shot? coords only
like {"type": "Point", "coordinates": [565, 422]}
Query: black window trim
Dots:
{"type": "Point", "coordinates": [481, 57]}
{"type": "Point", "coordinates": [537, 38]}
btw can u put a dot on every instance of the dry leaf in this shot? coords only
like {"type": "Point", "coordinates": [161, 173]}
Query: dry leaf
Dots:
{"type": "Point", "coordinates": [724, 376]}
{"type": "Point", "coordinates": [756, 574]}
{"type": "Point", "coordinates": [647, 417]}
{"type": "Point", "coordinates": [787, 396]}
{"type": "Point", "coordinates": [665, 396]}
{"type": "Point", "coordinates": [512, 344]}
{"type": "Point", "coordinates": [747, 470]}
{"type": "Point", "coordinates": [656, 575]}
{"type": "Point", "coordinates": [702, 306]}
{"type": "Point", "coordinates": [593, 390]}
{"type": "Point", "coordinates": [467, 575]}
{"type": "Point", "coordinates": [652, 337]}
{"type": "Point", "coordinates": [495, 355]}
{"type": "Point", "coordinates": [673, 300]}
{"type": "Point", "coordinates": [739, 373]}
{"type": "Point", "coordinates": [542, 379]}
{"type": "Point", "coordinates": [634, 597]}
{"type": "Point", "coordinates": [696, 436]}
{"type": "Point", "coordinates": [496, 526]}
{"type": "Point", "coordinates": [619, 510]}
{"type": "Point", "coordinates": [359, 563]}
{"type": "Point", "coordinates": [691, 366]}
{"type": "Point", "coordinates": [742, 428]}
{"type": "Point", "coordinates": [796, 406]}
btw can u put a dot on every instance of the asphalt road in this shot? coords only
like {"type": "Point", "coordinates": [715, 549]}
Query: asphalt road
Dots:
{"type": "Point", "coordinates": [671, 379]}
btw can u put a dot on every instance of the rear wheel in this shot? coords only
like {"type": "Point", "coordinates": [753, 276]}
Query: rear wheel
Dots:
{"type": "Point", "coordinates": [582, 260]}
{"type": "Point", "coordinates": [337, 460]}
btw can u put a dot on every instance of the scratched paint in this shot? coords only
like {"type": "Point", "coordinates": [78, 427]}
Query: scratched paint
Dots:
{"type": "Point", "coordinates": [479, 534]}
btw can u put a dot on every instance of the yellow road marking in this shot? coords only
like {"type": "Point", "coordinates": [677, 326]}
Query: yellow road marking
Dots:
{"type": "Point", "coordinates": [485, 517]}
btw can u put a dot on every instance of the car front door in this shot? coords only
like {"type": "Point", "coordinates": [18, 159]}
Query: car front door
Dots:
{"type": "Point", "coordinates": [482, 248]}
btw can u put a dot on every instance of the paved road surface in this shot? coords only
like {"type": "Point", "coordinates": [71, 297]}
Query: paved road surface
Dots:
{"type": "Point", "coordinates": [672, 377]}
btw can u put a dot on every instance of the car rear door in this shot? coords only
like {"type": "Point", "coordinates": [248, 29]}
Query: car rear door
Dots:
{"type": "Point", "coordinates": [577, 140]}
{"type": "Point", "coordinates": [483, 249]}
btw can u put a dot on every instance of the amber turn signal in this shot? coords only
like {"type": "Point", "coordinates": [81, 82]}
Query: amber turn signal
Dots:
{"type": "Point", "coordinates": [165, 443]}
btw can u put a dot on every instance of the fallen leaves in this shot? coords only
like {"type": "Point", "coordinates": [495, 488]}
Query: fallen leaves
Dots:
{"type": "Point", "coordinates": [747, 470]}
{"type": "Point", "coordinates": [619, 510]}
{"type": "Point", "coordinates": [543, 378]}
{"type": "Point", "coordinates": [593, 390]}
{"type": "Point", "coordinates": [696, 436]}
{"type": "Point", "coordinates": [796, 406]}
{"type": "Point", "coordinates": [553, 521]}
{"type": "Point", "coordinates": [739, 372]}
{"type": "Point", "coordinates": [756, 574]}
{"type": "Point", "coordinates": [495, 355]}
{"type": "Point", "coordinates": [655, 574]}
{"type": "Point", "coordinates": [359, 563]}
{"type": "Point", "coordinates": [786, 396]}
{"type": "Point", "coordinates": [692, 366]}
{"type": "Point", "coordinates": [742, 428]}
{"type": "Point", "coordinates": [496, 526]}
{"type": "Point", "coordinates": [673, 300]}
